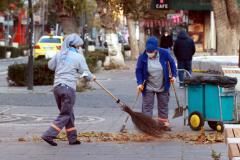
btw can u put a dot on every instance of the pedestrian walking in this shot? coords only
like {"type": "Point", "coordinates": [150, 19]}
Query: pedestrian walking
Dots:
{"type": "Point", "coordinates": [152, 74]}
{"type": "Point", "coordinates": [166, 40]}
{"type": "Point", "coordinates": [184, 49]}
{"type": "Point", "coordinates": [67, 64]}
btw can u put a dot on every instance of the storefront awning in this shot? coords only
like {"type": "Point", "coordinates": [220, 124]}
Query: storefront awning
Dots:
{"type": "Point", "coordinates": [150, 23]}
{"type": "Point", "coordinates": [195, 5]}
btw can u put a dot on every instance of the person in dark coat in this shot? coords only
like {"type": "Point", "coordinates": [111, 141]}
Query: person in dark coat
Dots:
{"type": "Point", "coordinates": [166, 40]}
{"type": "Point", "coordinates": [184, 49]}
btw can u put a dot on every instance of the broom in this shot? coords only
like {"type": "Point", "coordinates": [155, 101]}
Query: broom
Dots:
{"type": "Point", "coordinates": [125, 122]}
{"type": "Point", "coordinates": [142, 122]}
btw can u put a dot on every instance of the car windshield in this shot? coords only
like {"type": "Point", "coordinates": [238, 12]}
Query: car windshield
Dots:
{"type": "Point", "coordinates": [50, 40]}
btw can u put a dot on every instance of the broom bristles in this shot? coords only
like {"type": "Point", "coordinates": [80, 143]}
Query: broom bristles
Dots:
{"type": "Point", "coordinates": [145, 123]}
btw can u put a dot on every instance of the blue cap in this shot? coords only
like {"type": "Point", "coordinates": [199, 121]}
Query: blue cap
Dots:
{"type": "Point", "coordinates": [152, 44]}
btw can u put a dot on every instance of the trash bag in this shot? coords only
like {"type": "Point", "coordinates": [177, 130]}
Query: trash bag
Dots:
{"type": "Point", "coordinates": [194, 80]}
{"type": "Point", "coordinates": [222, 81]}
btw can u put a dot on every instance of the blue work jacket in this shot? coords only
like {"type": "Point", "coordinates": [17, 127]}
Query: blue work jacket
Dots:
{"type": "Point", "coordinates": [164, 58]}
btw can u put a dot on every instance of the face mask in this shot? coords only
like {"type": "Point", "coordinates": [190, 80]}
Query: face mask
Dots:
{"type": "Point", "coordinates": [80, 50]}
{"type": "Point", "coordinates": [151, 55]}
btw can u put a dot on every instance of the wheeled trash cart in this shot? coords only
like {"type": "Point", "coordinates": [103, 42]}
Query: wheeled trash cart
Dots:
{"type": "Point", "coordinates": [212, 99]}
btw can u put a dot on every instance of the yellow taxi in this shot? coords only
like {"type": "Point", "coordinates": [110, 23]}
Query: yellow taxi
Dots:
{"type": "Point", "coordinates": [47, 46]}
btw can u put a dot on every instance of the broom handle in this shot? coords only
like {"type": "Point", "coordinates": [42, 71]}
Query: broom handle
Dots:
{"type": "Point", "coordinates": [125, 122]}
{"type": "Point", "coordinates": [172, 85]}
{"type": "Point", "coordinates": [105, 89]}
{"type": "Point", "coordinates": [126, 119]}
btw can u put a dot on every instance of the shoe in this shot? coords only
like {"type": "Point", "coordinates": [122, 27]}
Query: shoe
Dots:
{"type": "Point", "coordinates": [166, 124]}
{"type": "Point", "coordinates": [167, 128]}
{"type": "Point", "coordinates": [160, 124]}
{"type": "Point", "coordinates": [75, 143]}
{"type": "Point", "coordinates": [163, 122]}
{"type": "Point", "coordinates": [51, 142]}
{"type": "Point", "coordinates": [181, 87]}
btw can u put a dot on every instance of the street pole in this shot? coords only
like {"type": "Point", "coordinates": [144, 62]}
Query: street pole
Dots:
{"type": "Point", "coordinates": [86, 36]}
{"type": "Point", "coordinates": [43, 17]}
{"type": "Point", "coordinates": [239, 55]}
{"type": "Point", "coordinates": [30, 56]}
{"type": "Point", "coordinates": [8, 28]}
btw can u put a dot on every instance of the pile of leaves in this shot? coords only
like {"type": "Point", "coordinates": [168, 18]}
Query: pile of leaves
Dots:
{"type": "Point", "coordinates": [109, 137]}
{"type": "Point", "coordinates": [187, 137]}
{"type": "Point", "coordinates": [192, 138]}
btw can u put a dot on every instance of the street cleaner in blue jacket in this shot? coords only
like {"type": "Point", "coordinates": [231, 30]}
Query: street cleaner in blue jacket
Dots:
{"type": "Point", "coordinates": [152, 74]}
{"type": "Point", "coordinates": [68, 65]}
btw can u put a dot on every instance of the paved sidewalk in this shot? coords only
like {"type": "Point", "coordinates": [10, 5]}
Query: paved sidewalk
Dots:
{"type": "Point", "coordinates": [26, 113]}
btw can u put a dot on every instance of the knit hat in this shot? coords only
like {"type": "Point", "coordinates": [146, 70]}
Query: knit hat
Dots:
{"type": "Point", "coordinates": [152, 44]}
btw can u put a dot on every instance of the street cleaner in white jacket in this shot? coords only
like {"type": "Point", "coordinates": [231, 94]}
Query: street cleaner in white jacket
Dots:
{"type": "Point", "coordinates": [68, 65]}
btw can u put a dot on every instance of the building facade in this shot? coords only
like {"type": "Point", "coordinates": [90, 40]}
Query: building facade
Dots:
{"type": "Point", "coordinates": [194, 16]}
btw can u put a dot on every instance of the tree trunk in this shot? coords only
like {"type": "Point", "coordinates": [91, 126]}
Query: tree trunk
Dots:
{"type": "Point", "coordinates": [115, 58]}
{"type": "Point", "coordinates": [234, 18]}
{"type": "Point", "coordinates": [227, 40]}
{"type": "Point", "coordinates": [142, 38]}
{"type": "Point", "coordinates": [132, 37]}
{"type": "Point", "coordinates": [37, 33]}
{"type": "Point", "coordinates": [227, 37]}
{"type": "Point", "coordinates": [69, 25]}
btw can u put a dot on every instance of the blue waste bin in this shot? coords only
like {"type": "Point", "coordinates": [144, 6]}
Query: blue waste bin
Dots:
{"type": "Point", "coordinates": [196, 98]}
{"type": "Point", "coordinates": [212, 103]}
{"type": "Point", "coordinates": [219, 105]}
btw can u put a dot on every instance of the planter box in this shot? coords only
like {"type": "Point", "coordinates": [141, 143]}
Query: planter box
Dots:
{"type": "Point", "coordinates": [232, 140]}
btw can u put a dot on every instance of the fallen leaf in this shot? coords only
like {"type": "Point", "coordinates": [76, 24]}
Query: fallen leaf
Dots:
{"type": "Point", "coordinates": [22, 139]}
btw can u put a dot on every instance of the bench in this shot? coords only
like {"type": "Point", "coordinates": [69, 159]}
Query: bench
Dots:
{"type": "Point", "coordinates": [232, 140]}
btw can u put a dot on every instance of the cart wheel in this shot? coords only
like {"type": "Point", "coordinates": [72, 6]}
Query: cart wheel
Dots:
{"type": "Point", "coordinates": [219, 127]}
{"type": "Point", "coordinates": [196, 121]}
{"type": "Point", "coordinates": [212, 124]}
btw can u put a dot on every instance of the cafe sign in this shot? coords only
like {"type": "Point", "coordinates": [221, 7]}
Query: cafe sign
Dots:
{"type": "Point", "coordinates": [161, 4]}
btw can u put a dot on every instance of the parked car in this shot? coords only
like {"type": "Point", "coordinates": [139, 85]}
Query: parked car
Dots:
{"type": "Point", "coordinates": [47, 46]}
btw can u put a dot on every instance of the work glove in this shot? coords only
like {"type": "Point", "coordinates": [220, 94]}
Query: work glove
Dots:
{"type": "Point", "coordinates": [140, 87]}
{"type": "Point", "coordinates": [172, 79]}
{"type": "Point", "coordinates": [94, 78]}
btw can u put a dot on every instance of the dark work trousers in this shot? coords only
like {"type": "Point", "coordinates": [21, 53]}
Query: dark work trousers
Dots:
{"type": "Point", "coordinates": [65, 97]}
{"type": "Point", "coordinates": [187, 65]}
{"type": "Point", "coordinates": [162, 103]}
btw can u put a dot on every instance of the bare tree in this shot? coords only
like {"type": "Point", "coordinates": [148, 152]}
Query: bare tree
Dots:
{"type": "Point", "coordinates": [108, 11]}
{"type": "Point", "coordinates": [135, 10]}
{"type": "Point", "coordinates": [10, 4]}
{"type": "Point", "coordinates": [67, 12]}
